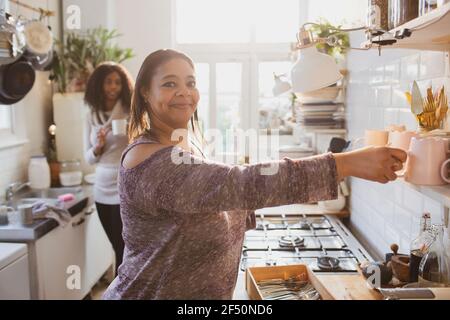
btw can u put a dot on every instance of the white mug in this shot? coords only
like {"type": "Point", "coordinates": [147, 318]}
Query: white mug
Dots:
{"type": "Point", "coordinates": [119, 127]}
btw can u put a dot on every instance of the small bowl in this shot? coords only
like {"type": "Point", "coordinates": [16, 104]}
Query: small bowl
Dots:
{"type": "Point", "coordinates": [400, 267]}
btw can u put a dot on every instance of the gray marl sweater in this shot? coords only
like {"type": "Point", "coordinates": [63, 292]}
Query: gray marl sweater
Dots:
{"type": "Point", "coordinates": [184, 224]}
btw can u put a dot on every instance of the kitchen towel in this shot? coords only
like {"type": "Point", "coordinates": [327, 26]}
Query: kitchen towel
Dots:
{"type": "Point", "coordinates": [42, 210]}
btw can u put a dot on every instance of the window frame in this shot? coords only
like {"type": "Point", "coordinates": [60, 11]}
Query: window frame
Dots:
{"type": "Point", "coordinates": [250, 55]}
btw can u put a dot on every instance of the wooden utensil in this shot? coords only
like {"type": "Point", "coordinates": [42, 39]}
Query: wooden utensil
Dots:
{"type": "Point", "coordinates": [400, 264]}
{"type": "Point", "coordinates": [416, 100]}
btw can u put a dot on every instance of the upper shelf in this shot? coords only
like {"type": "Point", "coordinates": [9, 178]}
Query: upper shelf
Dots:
{"type": "Point", "coordinates": [429, 32]}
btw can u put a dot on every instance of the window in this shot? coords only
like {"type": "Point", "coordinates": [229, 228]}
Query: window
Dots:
{"type": "Point", "coordinates": [5, 119]}
{"type": "Point", "coordinates": [237, 45]}
{"type": "Point", "coordinates": [274, 112]}
{"type": "Point", "coordinates": [236, 21]}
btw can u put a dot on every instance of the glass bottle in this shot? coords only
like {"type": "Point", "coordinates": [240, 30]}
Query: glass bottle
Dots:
{"type": "Point", "coordinates": [377, 15]}
{"type": "Point", "coordinates": [434, 270]}
{"type": "Point", "coordinates": [402, 11]}
{"type": "Point", "coordinates": [426, 6]}
{"type": "Point", "coordinates": [419, 247]}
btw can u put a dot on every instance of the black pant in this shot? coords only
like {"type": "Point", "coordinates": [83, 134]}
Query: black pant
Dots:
{"type": "Point", "coordinates": [112, 223]}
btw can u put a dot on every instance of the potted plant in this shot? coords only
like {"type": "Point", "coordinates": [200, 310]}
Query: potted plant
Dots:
{"type": "Point", "coordinates": [77, 55]}
{"type": "Point", "coordinates": [80, 53]}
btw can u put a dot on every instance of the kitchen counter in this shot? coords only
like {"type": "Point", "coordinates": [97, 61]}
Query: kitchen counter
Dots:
{"type": "Point", "coordinates": [30, 233]}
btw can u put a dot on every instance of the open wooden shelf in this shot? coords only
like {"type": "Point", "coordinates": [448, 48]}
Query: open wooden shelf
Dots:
{"type": "Point", "coordinates": [429, 32]}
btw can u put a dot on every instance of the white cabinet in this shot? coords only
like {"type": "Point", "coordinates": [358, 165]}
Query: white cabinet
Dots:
{"type": "Point", "coordinates": [99, 252]}
{"type": "Point", "coordinates": [60, 262]}
{"type": "Point", "coordinates": [71, 260]}
{"type": "Point", "coordinates": [14, 272]}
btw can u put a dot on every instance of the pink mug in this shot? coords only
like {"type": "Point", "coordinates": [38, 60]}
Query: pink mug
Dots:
{"type": "Point", "coordinates": [376, 138]}
{"type": "Point", "coordinates": [401, 139]}
{"type": "Point", "coordinates": [427, 162]}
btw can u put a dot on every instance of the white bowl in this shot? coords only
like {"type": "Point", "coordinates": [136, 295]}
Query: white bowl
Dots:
{"type": "Point", "coordinates": [328, 94]}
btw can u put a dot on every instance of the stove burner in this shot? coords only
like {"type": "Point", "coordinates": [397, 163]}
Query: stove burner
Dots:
{"type": "Point", "coordinates": [291, 242]}
{"type": "Point", "coordinates": [304, 225]}
{"type": "Point", "coordinates": [328, 263]}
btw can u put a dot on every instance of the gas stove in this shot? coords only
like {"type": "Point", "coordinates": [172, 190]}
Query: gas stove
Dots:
{"type": "Point", "coordinates": [322, 242]}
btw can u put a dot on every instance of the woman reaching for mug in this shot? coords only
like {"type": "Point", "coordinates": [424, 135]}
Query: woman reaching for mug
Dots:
{"type": "Point", "coordinates": [184, 221]}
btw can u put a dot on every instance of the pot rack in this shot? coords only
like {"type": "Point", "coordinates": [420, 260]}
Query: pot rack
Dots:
{"type": "Point", "coordinates": [43, 12]}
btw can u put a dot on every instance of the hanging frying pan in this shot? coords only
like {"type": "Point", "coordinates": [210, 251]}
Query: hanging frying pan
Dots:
{"type": "Point", "coordinates": [16, 80]}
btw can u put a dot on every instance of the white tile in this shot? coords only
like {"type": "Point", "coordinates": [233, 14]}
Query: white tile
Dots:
{"type": "Point", "coordinates": [413, 201]}
{"type": "Point", "coordinates": [415, 227]}
{"type": "Point", "coordinates": [390, 116]}
{"type": "Point", "coordinates": [377, 223]}
{"type": "Point", "coordinates": [410, 67]}
{"type": "Point", "coordinates": [392, 72]}
{"type": "Point", "coordinates": [432, 65]}
{"type": "Point", "coordinates": [384, 97]}
{"type": "Point", "coordinates": [402, 220]}
{"type": "Point", "coordinates": [376, 116]}
{"type": "Point", "coordinates": [399, 97]}
{"type": "Point", "coordinates": [391, 235]}
{"type": "Point", "coordinates": [435, 208]}
{"type": "Point", "coordinates": [398, 191]}
{"type": "Point", "coordinates": [376, 75]}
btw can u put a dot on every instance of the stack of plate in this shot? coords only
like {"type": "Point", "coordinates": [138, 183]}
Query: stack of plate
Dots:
{"type": "Point", "coordinates": [321, 116]}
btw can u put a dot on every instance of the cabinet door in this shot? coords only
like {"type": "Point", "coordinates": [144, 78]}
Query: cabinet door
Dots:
{"type": "Point", "coordinates": [14, 280]}
{"type": "Point", "coordinates": [61, 260]}
{"type": "Point", "coordinates": [99, 252]}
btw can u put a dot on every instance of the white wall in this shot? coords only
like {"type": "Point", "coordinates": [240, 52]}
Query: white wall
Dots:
{"type": "Point", "coordinates": [386, 214]}
{"type": "Point", "coordinates": [33, 112]}
{"type": "Point", "coordinates": [146, 26]}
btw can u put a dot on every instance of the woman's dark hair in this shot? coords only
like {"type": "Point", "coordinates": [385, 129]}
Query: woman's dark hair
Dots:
{"type": "Point", "coordinates": [139, 117]}
{"type": "Point", "coordinates": [94, 96]}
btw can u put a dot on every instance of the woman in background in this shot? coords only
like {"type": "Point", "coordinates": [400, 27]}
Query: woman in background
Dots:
{"type": "Point", "coordinates": [108, 94]}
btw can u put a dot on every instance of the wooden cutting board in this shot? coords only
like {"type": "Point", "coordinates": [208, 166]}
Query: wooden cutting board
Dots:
{"type": "Point", "coordinates": [348, 287]}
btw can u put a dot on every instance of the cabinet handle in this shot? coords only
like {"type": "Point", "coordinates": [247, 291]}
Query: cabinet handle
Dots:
{"type": "Point", "coordinates": [79, 223]}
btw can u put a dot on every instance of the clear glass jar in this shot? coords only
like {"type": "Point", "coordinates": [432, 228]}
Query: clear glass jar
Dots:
{"type": "Point", "coordinates": [39, 173]}
{"type": "Point", "coordinates": [377, 15]}
{"type": "Point", "coordinates": [419, 247]}
{"type": "Point", "coordinates": [402, 11]}
{"type": "Point", "coordinates": [426, 6]}
{"type": "Point", "coordinates": [70, 173]}
{"type": "Point", "coordinates": [434, 270]}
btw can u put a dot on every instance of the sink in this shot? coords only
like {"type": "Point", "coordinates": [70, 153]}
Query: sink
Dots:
{"type": "Point", "coordinates": [52, 193]}
{"type": "Point", "coordinates": [30, 201]}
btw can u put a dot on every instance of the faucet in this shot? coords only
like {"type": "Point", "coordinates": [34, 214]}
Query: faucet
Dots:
{"type": "Point", "coordinates": [12, 189]}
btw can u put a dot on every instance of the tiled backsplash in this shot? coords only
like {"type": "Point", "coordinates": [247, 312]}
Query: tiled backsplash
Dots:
{"type": "Point", "coordinates": [386, 214]}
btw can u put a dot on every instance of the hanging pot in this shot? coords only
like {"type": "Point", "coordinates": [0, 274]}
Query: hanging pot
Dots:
{"type": "Point", "coordinates": [39, 44]}
{"type": "Point", "coordinates": [40, 62]}
{"type": "Point", "coordinates": [16, 80]}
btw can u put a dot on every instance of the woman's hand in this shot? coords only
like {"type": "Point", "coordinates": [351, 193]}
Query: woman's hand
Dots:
{"type": "Point", "coordinates": [101, 141]}
{"type": "Point", "coordinates": [372, 163]}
